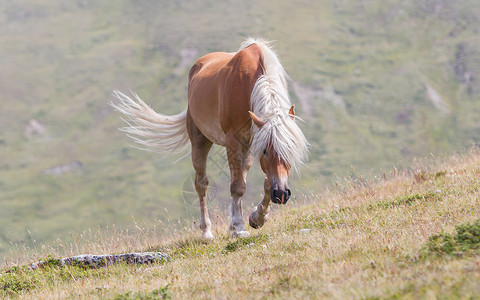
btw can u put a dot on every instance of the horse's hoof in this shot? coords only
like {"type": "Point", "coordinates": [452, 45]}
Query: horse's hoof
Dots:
{"type": "Point", "coordinates": [207, 235]}
{"type": "Point", "coordinates": [241, 234]}
{"type": "Point", "coordinates": [252, 224]}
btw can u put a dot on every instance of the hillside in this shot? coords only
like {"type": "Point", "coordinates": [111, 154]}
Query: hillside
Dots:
{"type": "Point", "coordinates": [402, 235]}
{"type": "Point", "coordinates": [378, 83]}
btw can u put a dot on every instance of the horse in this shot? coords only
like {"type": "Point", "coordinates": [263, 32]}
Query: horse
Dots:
{"type": "Point", "coordinates": [238, 100]}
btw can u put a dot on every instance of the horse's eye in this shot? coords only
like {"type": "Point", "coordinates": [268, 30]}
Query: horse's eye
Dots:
{"type": "Point", "coordinates": [265, 152]}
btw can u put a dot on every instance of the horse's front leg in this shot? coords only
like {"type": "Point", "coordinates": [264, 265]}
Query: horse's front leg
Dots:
{"type": "Point", "coordinates": [259, 214]}
{"type": "Point", "coordinates": [239, 162]}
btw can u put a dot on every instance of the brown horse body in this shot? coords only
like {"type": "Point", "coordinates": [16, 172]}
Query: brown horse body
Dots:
{"type": "Point", "coordinates": [220, 85]}
{"type": "Point", "coordinates": [223, 90]}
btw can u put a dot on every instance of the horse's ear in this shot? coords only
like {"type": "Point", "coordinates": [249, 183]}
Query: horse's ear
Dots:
{"type": "Point", "coordinates": [256, 120]}
{"type": "Point", "coordinates": [291, 112]}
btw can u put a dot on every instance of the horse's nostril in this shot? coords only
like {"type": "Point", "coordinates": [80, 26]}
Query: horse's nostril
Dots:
{"type": "Point", "coordinates": [275, 196]}
{"type": "Point", "coordinates": [280, 196]}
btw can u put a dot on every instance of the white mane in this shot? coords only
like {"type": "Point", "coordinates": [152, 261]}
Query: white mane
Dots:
{"type": "Point", "coordinates": [270, 102]}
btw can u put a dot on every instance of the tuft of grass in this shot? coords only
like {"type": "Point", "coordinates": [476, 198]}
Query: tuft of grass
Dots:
{"type": "Point", "coordinates": [323, 221]}
{"type": "Point", "coordinates": [52, 273]}
{"type": "Point", "coordinates": [466, 240]}
{"type": "Point", "coordinates": [408, 200]}
{"type": "Point", "coordinates": [14, 282]}
{"type": "Point", "coordinates": [51, 262]}
{"type": "Point", "coordinates": [248, 241]}
{"type": "Point", "coordinates": [423, 176]}
{"type": "Point", "coordinates": [284, 283]}
{"type": "Point", "coordinates": [193, 247]}
{"type": "Point", "coordinates": [161, 293]}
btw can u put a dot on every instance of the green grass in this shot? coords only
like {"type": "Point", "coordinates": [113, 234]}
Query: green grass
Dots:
{"type": "Point", "coordinates": [162, 293]}
{"type": "Point", "coordinates": [390, 239]}
{"type": "Point", "coordinates": [19, 280]}
{"type": "Point", "coordinates": [337, 218]}
{"type": "Point", "coordinates": [408, 200]}
{"type": "Point", "coordinates": [466, 240]}
{"type": "Point", "coordinates": [245, 242]}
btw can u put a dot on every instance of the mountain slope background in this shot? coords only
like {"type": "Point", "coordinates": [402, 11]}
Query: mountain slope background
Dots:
{"type": "Point", "coordinates": [377, 83]}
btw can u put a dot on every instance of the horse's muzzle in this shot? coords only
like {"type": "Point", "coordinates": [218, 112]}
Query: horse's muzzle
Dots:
{"type": "Point", "coordinates": [280, 196]}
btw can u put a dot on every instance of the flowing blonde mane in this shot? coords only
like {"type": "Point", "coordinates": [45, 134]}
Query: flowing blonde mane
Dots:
{"type": "Point", "coordinates": [270, 102]}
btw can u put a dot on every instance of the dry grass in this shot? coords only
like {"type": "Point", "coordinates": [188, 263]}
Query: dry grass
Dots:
{"type": "Point", "coordinates": [359, 240]}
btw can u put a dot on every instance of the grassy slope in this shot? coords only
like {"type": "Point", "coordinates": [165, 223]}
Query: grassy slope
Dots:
{"type": "Point", "coordinates": [60, 62]}
{"type": "Point", "coordinates": [356, 241]}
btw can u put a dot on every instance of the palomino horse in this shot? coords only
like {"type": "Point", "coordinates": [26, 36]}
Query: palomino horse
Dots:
{"type": "Point", "coordinates": [237, 100]}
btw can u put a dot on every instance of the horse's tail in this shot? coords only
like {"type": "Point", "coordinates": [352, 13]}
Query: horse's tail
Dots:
{"type": "Point", "coordinates": [154, 131]}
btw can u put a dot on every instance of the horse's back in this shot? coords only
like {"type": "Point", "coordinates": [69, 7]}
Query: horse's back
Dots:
{"type": "Point", "coordinates": [220, 85]}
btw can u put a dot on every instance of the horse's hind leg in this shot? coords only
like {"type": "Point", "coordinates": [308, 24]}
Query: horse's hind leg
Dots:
{"type": "Point", "coordinates": [200, 148]}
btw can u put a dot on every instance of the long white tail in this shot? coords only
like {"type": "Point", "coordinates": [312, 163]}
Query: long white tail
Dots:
{"type": "Point", "coordinates": [154, 131]}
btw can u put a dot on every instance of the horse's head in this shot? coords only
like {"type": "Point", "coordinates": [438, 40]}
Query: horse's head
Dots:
{"type": "Point", "coordinates": [277, 173]}
{"type": "Point", "coordinates": [276, 169]}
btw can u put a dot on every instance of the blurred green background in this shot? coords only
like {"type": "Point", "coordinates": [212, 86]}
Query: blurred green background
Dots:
{"type": "Point", "coordinates": [377, 82]}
